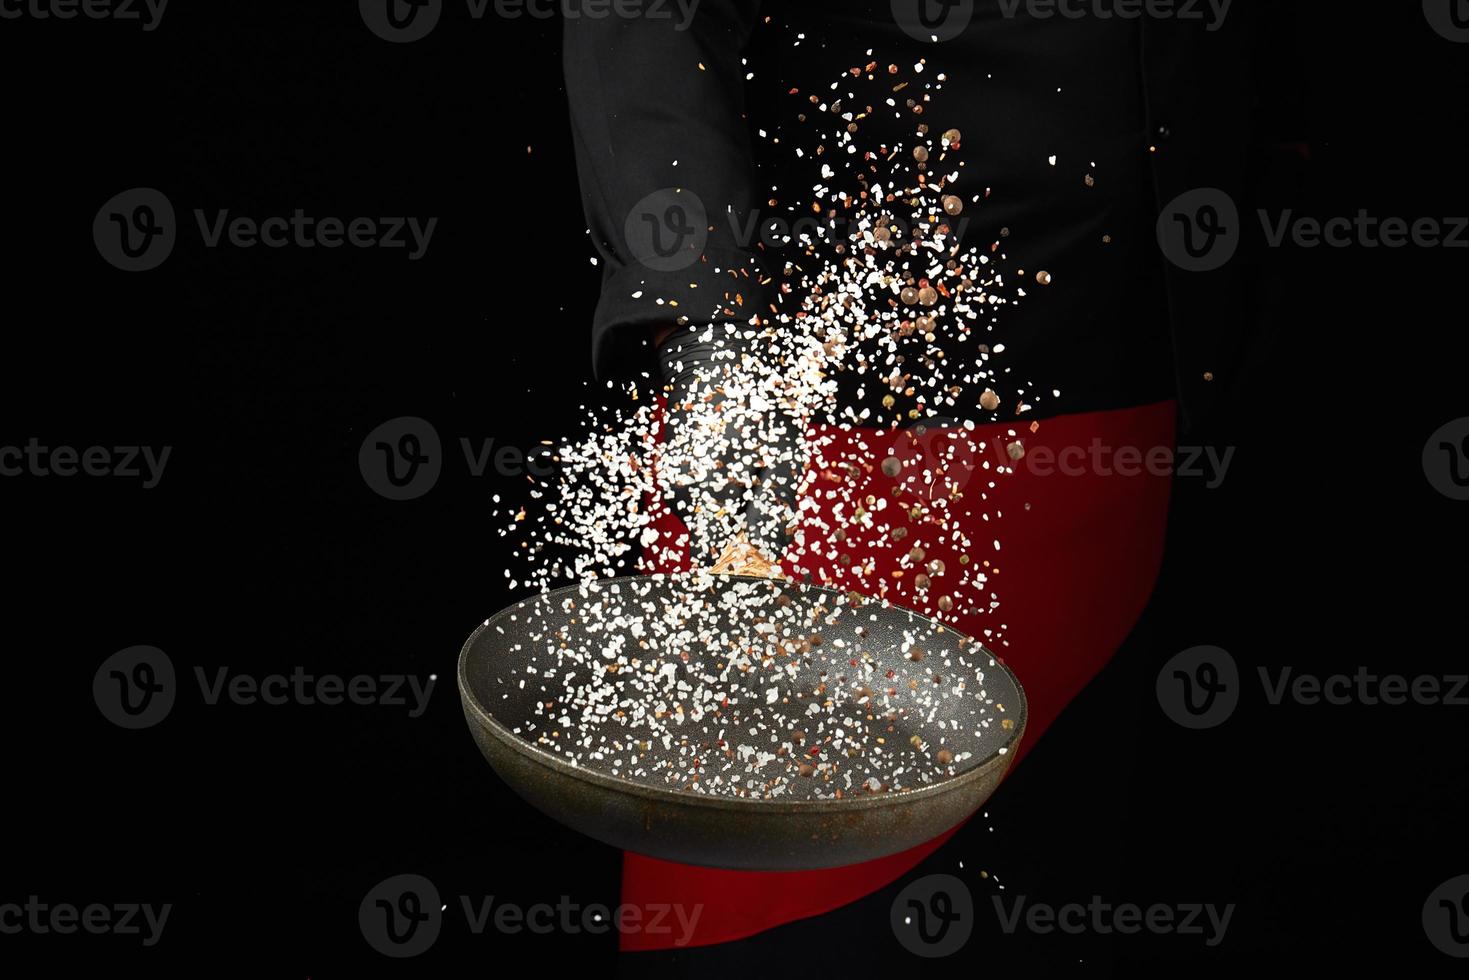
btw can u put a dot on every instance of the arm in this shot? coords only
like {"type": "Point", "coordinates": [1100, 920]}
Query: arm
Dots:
{"type": "Point", "coordinates": [657, 108]}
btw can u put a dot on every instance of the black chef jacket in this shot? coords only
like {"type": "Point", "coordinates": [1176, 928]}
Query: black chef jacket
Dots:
{"type": "Point", "coordinates": [1147, 108]}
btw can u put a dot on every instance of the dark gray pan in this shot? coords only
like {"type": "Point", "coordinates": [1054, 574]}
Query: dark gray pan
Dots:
{"type": "Point", "coordinates": [754, 834]}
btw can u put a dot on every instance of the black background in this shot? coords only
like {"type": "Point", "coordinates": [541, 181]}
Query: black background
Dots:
{"type": "Point", "coordinates": [264, 549]}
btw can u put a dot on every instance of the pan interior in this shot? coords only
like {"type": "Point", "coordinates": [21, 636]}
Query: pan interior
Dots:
{"type": "Point", "coordinates": [742, 687]}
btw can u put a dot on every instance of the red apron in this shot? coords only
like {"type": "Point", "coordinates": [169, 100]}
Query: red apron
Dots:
{"type": "Point", "coordinates": [1081, 537]}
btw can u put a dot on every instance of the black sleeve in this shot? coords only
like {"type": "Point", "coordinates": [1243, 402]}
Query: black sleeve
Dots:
{"type": "Point", "coordinates": [667, 175]}
{"type": "Point", "coordinates": [1277, 178]}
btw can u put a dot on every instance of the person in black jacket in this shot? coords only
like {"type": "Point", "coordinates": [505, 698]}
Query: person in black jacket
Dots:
{"type": "Point", "coordinates": [1116, 153]}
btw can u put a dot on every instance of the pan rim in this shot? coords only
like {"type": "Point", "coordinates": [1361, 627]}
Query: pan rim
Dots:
{"type": "Point", "coordinates": [1002, 756]}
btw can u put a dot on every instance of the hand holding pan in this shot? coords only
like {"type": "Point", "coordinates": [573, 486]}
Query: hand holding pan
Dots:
{"type": "Point", "coordinates": [847, 763]}
{"type": "Point", "coordinates": [730, 717]}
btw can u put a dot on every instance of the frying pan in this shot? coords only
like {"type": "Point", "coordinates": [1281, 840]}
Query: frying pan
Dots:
{"type": "Point", "coordinates": [637, 809]}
